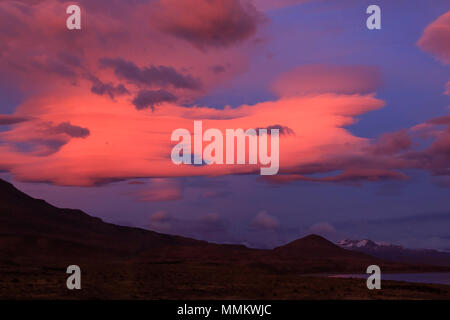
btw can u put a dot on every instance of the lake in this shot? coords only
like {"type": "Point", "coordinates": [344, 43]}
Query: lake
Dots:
{"type": "Point", "coordinates": [439, 278]}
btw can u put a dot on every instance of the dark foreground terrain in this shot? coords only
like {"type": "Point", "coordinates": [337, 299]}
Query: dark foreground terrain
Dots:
{"type": "Point", "coordinates": [38, 242]}
{"type": "Point", "coordinates": [190, 281]}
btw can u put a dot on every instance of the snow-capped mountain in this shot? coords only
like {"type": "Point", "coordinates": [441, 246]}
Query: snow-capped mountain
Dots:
{"type": "Point", "coordinates": [366, 243]}
{"type": "Point", "coordinates": [387, 251]}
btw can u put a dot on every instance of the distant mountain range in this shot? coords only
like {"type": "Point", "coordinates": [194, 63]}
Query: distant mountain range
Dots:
{"type": "Point", "coordinates": [391, 252]}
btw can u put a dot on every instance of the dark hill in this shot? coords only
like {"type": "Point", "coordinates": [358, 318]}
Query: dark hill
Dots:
{"type": "Point", "coordinates": [24, 220]}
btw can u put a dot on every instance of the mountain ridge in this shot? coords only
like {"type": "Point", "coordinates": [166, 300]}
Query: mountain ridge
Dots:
{"type": "Point", "coordinates": [392, 252]}
{"type": "Point", "coordinates": [32, 228]}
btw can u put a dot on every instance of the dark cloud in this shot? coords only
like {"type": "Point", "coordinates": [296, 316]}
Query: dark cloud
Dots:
{"type": "Point", "coordinates": [283, 130]}
{"type": "Point", "coordinates": [6, 119]}
{"type": "Point", "coordinates": [62, 63]}
{"type": "Point", "coordinates": [351, 176]}
{"type": "Point", "coordinates": [136, 182]}
{"type": "Point", "coordinates": [356, 175]}
{"type": "Point", "coordinates": [40, 147]}
{"type": "Point", "coordinates": [114, 8]}
{"type": "Point", "coordinates": [213, 23]}
{"type": "Point", "coordinates": [70, 130]}
{"type": "Point", "coordinates": [435, 158]}
{"type": "Point", "coordinates": [49, 138]}
{"type": "Point", "coordinates": [217, 69]}
{"type": "Point", "coordinates": [70, 59]}
{"type": "Point", "coordinates": [101, 88]}
{"type": "Point", "coordinates": [55, 66]}
{"type": "Point", "coordinates": [152, 98]}
{"type": "Point", "coordinates": [150, 76]}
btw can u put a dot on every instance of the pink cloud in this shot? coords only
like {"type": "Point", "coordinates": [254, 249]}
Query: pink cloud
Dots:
{"type": "Point", "coordinates": [317, 121]}
{"type": "Point", "coordinates": [436, 38]}
{"type": "Point", "coordinates": [80, 122]}
{"type": "Point", "coordinates": [161, 190]}
{"type": "Point", "coordinates": [57, 58]}
{"type": "Point", "coordinates": [322, 228]}
{"type": "Point", "coordinates": [160, 216]}
{"type": "Point", "coordinates": [392, 142]}
{"type": "Point", "coordinates": [161, 221]}
{"type": "Point", "coordinates": [265, 221]}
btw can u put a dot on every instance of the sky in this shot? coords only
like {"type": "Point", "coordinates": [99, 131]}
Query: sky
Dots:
{"type": "Point", "coordinates": [86, 116]}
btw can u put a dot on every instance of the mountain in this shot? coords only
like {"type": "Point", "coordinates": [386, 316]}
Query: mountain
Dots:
{"type": "Point", "coordinates": [314, 246]}
{"type": "Point", "coordinates": [38, 241]}
{"type": "Point", "coordinates": [391, 252]}
{"type": "Point", "coordinates": [315, 254]}
{"type": "Point", "coordinates": [34, 227]}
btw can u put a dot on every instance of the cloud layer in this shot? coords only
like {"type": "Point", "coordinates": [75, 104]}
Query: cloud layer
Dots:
{"type": "Point", "coordinates": [91, 108]}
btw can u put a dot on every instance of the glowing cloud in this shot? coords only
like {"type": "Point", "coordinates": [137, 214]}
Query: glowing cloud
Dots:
{"type": "Point", "coordinates": [436, 38]}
